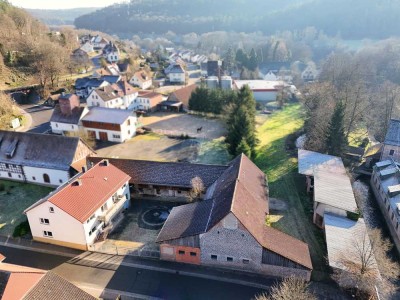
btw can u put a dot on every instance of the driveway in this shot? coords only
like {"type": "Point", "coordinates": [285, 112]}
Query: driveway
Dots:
{"type": "Point", "coordinates": [40, 115]}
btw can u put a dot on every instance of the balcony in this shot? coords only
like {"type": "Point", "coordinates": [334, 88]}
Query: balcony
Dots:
{"type": "Point", "coordinates": [106, 216]}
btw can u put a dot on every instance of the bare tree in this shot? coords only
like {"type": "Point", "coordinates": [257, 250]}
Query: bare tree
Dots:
{"type": "Point", "coordinates": [365, 266]}
{"type": "Point", "coordinates": [290, 288]}
{"type": "Point", "coordinates": [197, 189]}
{"type": "Point", "coordinates": [8, 111]}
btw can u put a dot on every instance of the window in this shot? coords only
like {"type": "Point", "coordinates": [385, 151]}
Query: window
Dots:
{"type": "Point", "coordinates": [72, 126]}
{"type": "Point", "coordinates": [9, 174]}
{"type": "Point", "coordinates": [129, 122]}
{"type": "Point", "coordinates": [47, 233]}
{"type": "Point", "coordinates": [116, 136]}
{"type": "Point", "coordinates": [181, 252]}
{"type": "Point", "coordinates": [61, 181]}
{"type": "Point", "coordinates": [193, 253]}
{"type": "Point", "coordinates": [44, 221]}
{"type": "Point", "coordinates": [56, 125]}
{"type": "Point", "coordinates": [229, 258]}
{"type": "Point", "coordinates": [7, 166]}
{"type": "Point", "coordinates": [388, 207]}
{"type": "Point", "coordinates": [214, 257]}
{"type": "Point", "coordinates": [391, 152]}
{"type": "Point", "coordinates": [19, 176]}
{"type": "Point", "coordinates": [91, 218]}
{"type": "Point", "coordinates": [129, 132]}
{"type": "Point", "coordinates": [51, 209]}
{"type": "Point", "coordinates": [46, 178]}
{"type": "Point", "coordinates": [246, 261]}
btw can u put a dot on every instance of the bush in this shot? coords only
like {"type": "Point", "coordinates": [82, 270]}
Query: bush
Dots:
{"type": "Point", "coordinates": [353, 216]}
{"type": "Point", "coordinates": [22, 229]}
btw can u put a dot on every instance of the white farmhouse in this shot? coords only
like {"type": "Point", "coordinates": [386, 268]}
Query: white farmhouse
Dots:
{"type": "Point", "coordinates": [67, 115]}
{"type": "Point", "coordinates": [118, 95]}
{"type": "Point", "coordinates": [106, 124]}
{"type": "Point", "coordinates": [177, 74]}
{"type": "Point", "coordinates": [142, 80]}
{"type": "Point", "coordinates": [40, 158]}
{"type": "Point", "coordinates": [83, 210]}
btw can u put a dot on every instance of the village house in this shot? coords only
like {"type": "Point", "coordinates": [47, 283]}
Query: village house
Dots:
{"type": "Point", "coordinates": [89, 205]}
{"type": "Point", "coordinates": [118, 95]}
{"type": "Point", "coordinates": [148, 101]}
{"type": "Point", "coordinates": [385, 183]}
{"type": "Point", "coordinates": [40, 159]}
{"type": "Point", "coordinates": [111, 53]}
{"type": "Point", "coordinates": [183, 95]}
{"type": "Point", "coordinates": [110, 69]}
{"type": "Point", "coordinates": [391, 145]}
{"type": "Point", "coordinates": [164, 179]}
{"type": "Point", "coordinates": [263, 91]}
{"type": "Point", "coordinates": [78, 54]}
{"type": "Point", "coordinates": [84, 86]}
{"type": "Point", "coordinates": [25, 283]}
{"type": "Point", "coordinates": [67, 115]}
{"type": "Point", "coordinates": [309, 74]}
{"type": "Point", "coordinates": [227, 229]}
{"type": "Point", "coordinates": [142, 80]}
{"type": "Point", "coordinates": [107, 124]}
{"type": "Point", "coordinates": [177, 74]}
{"type": "Point", "coordinates": [99, 42]}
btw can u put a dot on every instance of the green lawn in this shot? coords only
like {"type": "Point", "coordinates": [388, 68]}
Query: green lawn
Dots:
{"type": "Point", "coordinates": [213, 152]}
{"type": "Point", "coordinates": [286, 184]}
{"type": "Point", "coordinates": [14, 199]}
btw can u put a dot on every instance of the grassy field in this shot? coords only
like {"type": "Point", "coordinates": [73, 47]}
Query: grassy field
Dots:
{"type": "Point", "coordinates": [14, 199]}
{"type": "Point", "coordinates": [280, 166]}
{"type": "Point", "coordinates": [213, 152]}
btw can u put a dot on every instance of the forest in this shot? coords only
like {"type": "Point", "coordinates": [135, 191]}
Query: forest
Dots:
{"type": "Point", "coordinates": [362, 19]}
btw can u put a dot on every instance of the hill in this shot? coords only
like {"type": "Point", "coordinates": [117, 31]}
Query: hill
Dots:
{"type": "Point", "coordinates": [352, 19]}
{"type": "Point", "coordinates": [60, 16]}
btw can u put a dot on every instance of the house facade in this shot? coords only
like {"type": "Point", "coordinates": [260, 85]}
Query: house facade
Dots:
{"type": "Point", "coordinates": [227, 229]}
{"type": "Point", "coordinates": [142, 80]}
{"type": "Point", "coordinates": [113, 125]}
{"type": "Point", "coordinates": [148, 101]}
{"type": "Point", "coordinates": [263, 91]}
{"type": "Point", "coordinates": [40, 159]}
{"type": "Point", "coordinates": [385, 184]}
{"type": "Point", "coordinates": [111, 53]}
{"type": "Point", "coordinates": [89, 205]}
{"type": "Point", "coordinates": [177, 74]}
{"type": "Point", "coordinates": [67, 115]}
{"type": "Point", "coordinates": [119, 95]}
{"type": "Point", "coordinates": [391, 145]}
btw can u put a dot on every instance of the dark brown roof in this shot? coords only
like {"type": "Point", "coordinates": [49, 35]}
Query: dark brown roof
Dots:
{"type": "Point", "coordinates": [53, 286]}
{"type": "Point", "coordinates": [183, 94]}
{"type": "Point", "coordinates": [165, 173]}
{"type": "Point", "coordinates": [73, 118]}
{"type": "Point", "coordinates": [149, 94]}
{"type": "Point", "coordinates": [240, 190]}
{"type": "Point", "coordinates": [115, 90]}
{"type": "Point", "coordinates": [39, 150]}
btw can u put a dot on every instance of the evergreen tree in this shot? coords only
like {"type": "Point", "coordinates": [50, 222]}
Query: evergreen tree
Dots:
{"type": "Point", "coordinates": [242, 58]}
{"type": "Point", "coordinates": [253, 62]}
{"type": "Point", "coordinates": [336, 138]}
{"type": "Point", "coordinates": [244, 148]}
{"type": "Point", "coordinates": [229, 60]}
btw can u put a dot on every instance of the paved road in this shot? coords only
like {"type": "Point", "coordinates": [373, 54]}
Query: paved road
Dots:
{"type": "Point", "coordinates": [40, 117]}
{"type": "Point", "coordinates": [107, 273]}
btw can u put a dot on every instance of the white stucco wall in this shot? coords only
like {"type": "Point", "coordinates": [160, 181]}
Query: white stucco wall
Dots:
{"type": "Point", "coordinates": [57, 177]}
{"type": "Point", "coordinates": [177, 77]}
{"type": "Point", "coordinates": [127, 131]}
{"type": "Point", "coordinates": [60, 128]}
{"type": "Point", "coordinates": [265, 95]}
{"type": "Point", "coordinates": [63, 226]}
{"type": "Point", "coordinates": [14, 176]}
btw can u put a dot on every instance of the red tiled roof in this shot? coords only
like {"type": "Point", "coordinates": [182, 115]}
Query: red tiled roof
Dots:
{"type": "Point", "coordinates": [19, 284]}
{"type": "Point", "coordinates": [149, 94]}
{"type": "Point", "coordinates": [97, 185]}
{"type": "Point", "coordinates": [183, 94]}
{"type": "Point", "coordinates": [242, 190]}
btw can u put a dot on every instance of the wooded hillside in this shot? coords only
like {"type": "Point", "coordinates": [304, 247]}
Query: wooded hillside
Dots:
{"type": "Point", "coordinates": [352, 19]}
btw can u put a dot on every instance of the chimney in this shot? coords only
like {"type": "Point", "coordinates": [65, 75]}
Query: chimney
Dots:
{"type": "Point", "coordinates": [84, 169]}
{"type": "Point", "coordinates": [68, 103]}
{"type": "Point", "coordinates": [106, 162]}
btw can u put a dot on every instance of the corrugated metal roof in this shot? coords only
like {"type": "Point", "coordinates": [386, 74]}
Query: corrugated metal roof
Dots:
{"type": "Point", "coordinates": [342, 238]}
{"type": "Point", "coordinates": [310, 162]}
{"type": "Point", "coordinates": [334, 190]}
{"type": "Point", "coordinates": [393, 133]}
{"type": "Point", "coordinates": [384, 163]}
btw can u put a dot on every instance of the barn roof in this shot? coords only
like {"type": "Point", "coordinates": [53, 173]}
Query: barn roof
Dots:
{"type": "Point", "coordinates": [393, 133]}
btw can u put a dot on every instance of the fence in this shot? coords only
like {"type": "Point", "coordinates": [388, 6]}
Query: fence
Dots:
{"type": "Point", "coordinates": [121, 250]}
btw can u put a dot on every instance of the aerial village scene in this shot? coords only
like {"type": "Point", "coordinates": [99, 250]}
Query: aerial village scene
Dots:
{"type": "Point", "coordinates": [199, 150]}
